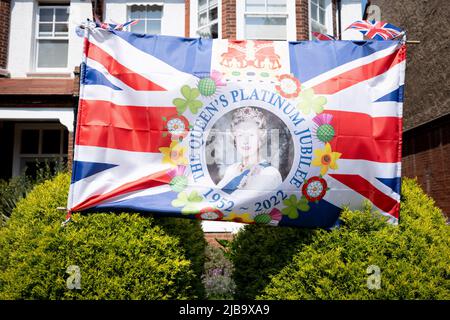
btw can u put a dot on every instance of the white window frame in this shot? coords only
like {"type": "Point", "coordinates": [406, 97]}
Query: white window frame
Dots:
{"type": "Point", "coordinates": [328, 27]}
{"type": "Point", "coordinates": [210, 23]}
{"type": "Point", "coordinates": [291, 30]}
{"type": "Point", "coordinates": [17, 155]}
{"type": "Point", "coordinates": [145, 4]}
{"type": "Point", "coordinates": [193, 19]}
{"type": "Point", "coordinates": [37, 38]}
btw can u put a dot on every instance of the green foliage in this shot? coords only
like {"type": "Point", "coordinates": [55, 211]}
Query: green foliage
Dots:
{"type": "Point", "coordinates": [191, 238]}
{"type": "Point", "coordinates": [16, 188]}
{"type": "Point", "coordinates": [259, 252]}
{"type": "Point", "coordinates": [120, 256]}
{"type": "Point", "coordinates": [217, 278]}
{"type": "Point", "coordinates": [413, 257]}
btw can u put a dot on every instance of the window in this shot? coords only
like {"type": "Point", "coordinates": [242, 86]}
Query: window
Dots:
{"type": "Point", "coordinates": [52, 37]}
{"type": "Point", "coordinates": [265, 19]}
{"type": "Point", "coordinates": [208, 18]}
{"type": "Point", "coordinates": [36, 144]}
{"type": "Point", "coordinates": [318, 16]}
{"type": "Point", "coordinates": [149, 17]}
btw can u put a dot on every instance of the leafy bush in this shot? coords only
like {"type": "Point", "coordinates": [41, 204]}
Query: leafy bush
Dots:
{"type": "Point", "coordinates": [120, 256]}
{"type": "Point", "coordinates": [217, 278]}
{"type": "Point", "coordinates": [259, 252]}
{"type": "Point", "coordinates": [191, 238]}
{"type": "Point", "coordinates": [16, 188]}
{"type": "Point", "coordinates": [413, 257]}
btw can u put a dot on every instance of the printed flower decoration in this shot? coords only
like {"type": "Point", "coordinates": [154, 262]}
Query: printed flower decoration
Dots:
{"type": "Point", "coordinates": [293, 205]}
{"type": "Point", "coordinates": [178, 126]}
{"type": "Point", "coordinates": [326, 159]}
{"type": "Point", "coordinates": [310, 102]}
{"type": "Point", "coordinates": [207, 87]}
{"type": "Point", "coordinates": [324, 130]}
{"type": "Point", "coordinates": [190, 101]}
{"type": "Point", "coordinates": [189, 202]}
{"type": "Point", "coordinates": [242, 218]}
{"type": "Point", "coordinates": [179, 181]}
{"type": "Point", "coordinates": [209, 213]}
{"type": "Point", "coordinates": [174, 154]}
{"type": "Point", "coordinates": [265, 218]}
{"type": "Point", "coordinates": [314, 189]}
{"type": "Point", "coordinates": [288, 87]}
{"type": "Point", "coordinates": [217, 77]}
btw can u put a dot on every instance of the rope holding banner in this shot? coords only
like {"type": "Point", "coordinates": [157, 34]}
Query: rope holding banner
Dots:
{"type": "Point", "coordinates": [68, 216]}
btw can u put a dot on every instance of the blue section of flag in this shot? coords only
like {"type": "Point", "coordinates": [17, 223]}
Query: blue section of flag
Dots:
{"type": "Point", "coordinates": [309, 59]}
{"type": "Point", "coordinates": [396, 95]}
{"type": "Point", "coordinates": [393, 183]}
{"type": "Point", "coordinates": [84, 169]}
{"type": "Point", "coordinates": [156, 203]}
{"type": "Point", "coordinates": [323, 214]}
{"type": "Point", "coordinates": [190, 55]}
{"type": "Point", "coordinates": [94, 77]}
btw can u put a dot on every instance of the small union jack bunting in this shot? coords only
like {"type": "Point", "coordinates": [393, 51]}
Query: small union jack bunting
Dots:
{"type": "Point", "coordinates": [323, 36]}
{"type": "Point", "coordinates": [376, 30]}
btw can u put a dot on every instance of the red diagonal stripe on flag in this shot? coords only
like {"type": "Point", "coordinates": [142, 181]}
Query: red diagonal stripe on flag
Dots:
{"type": "Point", "coordinates": [105, 124]}
{"type": "Point", "coordinates": [369, 191]}
{"type": "Point", "coordinates": [360, 136]}
{"type": "Point", "coordinates": [116, 69]}
{"type": "Point", "coordinates": [150, 181]}
{"type": "Point", "coordinates": [361, 73]}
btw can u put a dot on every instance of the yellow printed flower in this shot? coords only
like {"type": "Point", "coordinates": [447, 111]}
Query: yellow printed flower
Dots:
{"type": "Point", "coordinates": [326, 159]}
{"type": "Point", "coordinates": [236, 217]}
{"type": "Point", "coordinates": [174, 154]}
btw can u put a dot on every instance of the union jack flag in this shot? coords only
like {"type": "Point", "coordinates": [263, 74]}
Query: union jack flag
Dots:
{"type": "Point", "coordinates": [323, 36]}
{"type": "Point", "coordinates": [128, 85]}
{"type": "Point", "coordinates": [376, 30]}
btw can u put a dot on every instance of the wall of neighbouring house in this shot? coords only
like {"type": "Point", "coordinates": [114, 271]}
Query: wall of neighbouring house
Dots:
{"type": "Point", "coordinates": [22, 35]}
{"type": "Point", "coordinates": [426, 137]}
{"type": "Point", "coordinates": [172, 23]}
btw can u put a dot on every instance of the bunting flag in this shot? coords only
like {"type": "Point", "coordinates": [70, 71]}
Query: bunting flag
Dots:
{"type": "Point", "coordinates": [268, 132]}
{"type": "Point", "coordinates": [323, 36]}
{"type": "Point", "coordinates": [376, 30]}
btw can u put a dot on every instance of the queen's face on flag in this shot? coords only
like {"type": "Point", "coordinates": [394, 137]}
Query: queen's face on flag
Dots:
{"type": "Point", "coordinates": [252, 172]}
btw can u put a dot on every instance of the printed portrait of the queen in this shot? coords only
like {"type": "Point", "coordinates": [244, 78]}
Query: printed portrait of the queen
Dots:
{"type": "Point", "coordinates": [251, 172]}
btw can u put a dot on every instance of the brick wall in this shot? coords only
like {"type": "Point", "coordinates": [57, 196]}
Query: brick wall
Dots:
{"type": "Point", "coordinates": [426, 154]}
{"type": "Point", "coordinates": [5, 12]}
{"type": "Point", "coordinates": [427, 93]}
{"type": "Point", "coordinates": [302, 21]}
{"type": "Point", "coordinates": [187, 18]}
{"type": "Point", "coordinates": [212, 236]}
{"type": "Point", "coordinates": [229, 19]}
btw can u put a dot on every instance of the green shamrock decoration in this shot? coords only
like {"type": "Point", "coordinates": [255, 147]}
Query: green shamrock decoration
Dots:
{"type": "Point", "coordinates": [292, 204]}
{"type": "Point", "coordinates": [190, 95]}
{"type": "Point", "coordinates": [188, 202]}
{"type": "Point", "coordinates": [310, 102]}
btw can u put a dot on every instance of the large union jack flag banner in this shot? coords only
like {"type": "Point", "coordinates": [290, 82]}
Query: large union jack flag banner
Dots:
{"type": "Point", "coordinates": [269, 132]}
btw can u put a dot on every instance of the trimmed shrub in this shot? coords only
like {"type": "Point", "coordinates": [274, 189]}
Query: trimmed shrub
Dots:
{"type": "Point", "coordinates": [217, 278]}
{"type": "Point", "coordinates": [120, 256]}
{"type": "Point", "coordinates": [16, 188]}
{"type": "Point", "coordinates": [258, 252]}
{"type": "Point", "coordinates": [191, 238]}
{"type": "Point", "coordinates": [413, 257]}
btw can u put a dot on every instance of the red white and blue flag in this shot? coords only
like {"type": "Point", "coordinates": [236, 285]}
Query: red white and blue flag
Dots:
{"type": "Point", "coordinates": [165, 126]}
{"type": "Point", "coordinates": [323, 36]}
{"type": "Point", "coordinates": [376, 30]}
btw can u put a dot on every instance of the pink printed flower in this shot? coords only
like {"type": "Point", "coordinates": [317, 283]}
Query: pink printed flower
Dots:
{"type": "Point", "coordinates": [289, 86]}
{"type": "Point", "coordinates": [217, 77]}
{"type": "Point", "coordinates": [276, 214]}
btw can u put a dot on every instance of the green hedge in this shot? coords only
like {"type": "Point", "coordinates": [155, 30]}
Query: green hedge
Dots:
{"type": "Point", "coordinates": [120, 256]}
{"type": "Point", "coordinates": [413, 257]}
{"type": "Point", "coordinates": [258, 252]}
